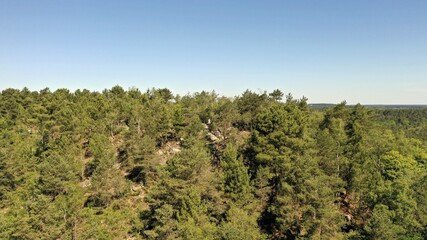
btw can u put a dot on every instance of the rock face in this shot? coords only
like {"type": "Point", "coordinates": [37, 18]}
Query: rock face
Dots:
{"type": "Point", "coordinates": [212, 137]}
{"type": "Point", "coordinates": [215, 136]}
{"type": "Point", "coordinates": [168, 151]}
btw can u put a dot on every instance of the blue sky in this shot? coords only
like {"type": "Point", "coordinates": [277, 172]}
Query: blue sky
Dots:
{"type": "Point", "coordinates": [329, 51]}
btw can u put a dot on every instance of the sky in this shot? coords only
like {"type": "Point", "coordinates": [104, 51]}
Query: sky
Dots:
{"type": "Point", "coordinates": [369, 52]}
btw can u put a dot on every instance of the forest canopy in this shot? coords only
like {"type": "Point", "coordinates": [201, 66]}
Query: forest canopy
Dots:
{"type": "Point", "coordinates": [127, 164]}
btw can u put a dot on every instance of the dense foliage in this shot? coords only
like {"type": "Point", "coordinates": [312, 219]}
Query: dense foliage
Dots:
{"type": "Point", "coordinates": [150, 165]}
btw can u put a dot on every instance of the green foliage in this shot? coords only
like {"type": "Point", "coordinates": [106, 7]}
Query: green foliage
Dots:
{"type": "Point", "coordinates": [239, 225]}
{"type": "Point", "coordinates": [56, 172]}
{"type": "Point", "coordinates": [381, 226]}
{"type": "Point", "coordinates": [126, 164]}
{"type": "Point", "coordinates": [113, 222]}
{"type": "Point", "coordinates": [236, 177]}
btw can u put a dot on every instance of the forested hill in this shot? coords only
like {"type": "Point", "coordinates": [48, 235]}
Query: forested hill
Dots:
{"type": "Point", "coordinates": [151, 165]}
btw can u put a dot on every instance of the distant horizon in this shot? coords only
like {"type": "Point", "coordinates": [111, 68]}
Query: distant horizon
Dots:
{"type": "Point", "coordinates": [259, 91]}
{"type": "Point", "coordinates": [372, 52]}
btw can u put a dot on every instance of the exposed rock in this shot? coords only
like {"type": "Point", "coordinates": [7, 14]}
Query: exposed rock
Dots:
{"type": "Point", "coordinates": [212, 137]}
{"type": "Point", "coordinates": [168, 151]}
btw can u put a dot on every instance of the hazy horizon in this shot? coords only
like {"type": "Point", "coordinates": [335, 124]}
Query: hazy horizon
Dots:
{"type": "Point", "coordinates": [368, 52]}
{"type": "Point", "coordinates": [259, 91]}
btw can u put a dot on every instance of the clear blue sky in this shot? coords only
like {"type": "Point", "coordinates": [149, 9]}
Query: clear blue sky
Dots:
{"type": "Point", "coordinates": [361, 51]}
